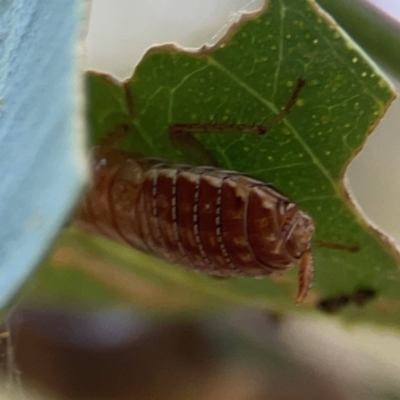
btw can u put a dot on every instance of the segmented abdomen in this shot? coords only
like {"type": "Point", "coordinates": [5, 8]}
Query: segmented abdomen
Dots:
{"type": "Point", "coordinates": [219, 222]}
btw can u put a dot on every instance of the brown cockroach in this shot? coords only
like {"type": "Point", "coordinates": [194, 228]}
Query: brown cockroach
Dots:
{"type": "Point", "coordinates": [219, 222]}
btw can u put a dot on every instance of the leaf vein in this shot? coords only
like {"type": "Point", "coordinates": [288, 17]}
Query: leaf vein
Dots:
{"type": "Point", "coordinates": [272, 107]}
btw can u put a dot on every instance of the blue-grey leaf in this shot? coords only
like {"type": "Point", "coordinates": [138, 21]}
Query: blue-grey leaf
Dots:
{"type": "Point", "coordinates": [42, 168]}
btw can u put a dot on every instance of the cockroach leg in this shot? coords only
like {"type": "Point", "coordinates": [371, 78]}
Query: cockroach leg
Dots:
{"type": "Point", "coordinates": [181, 135]}
{"type": "Point", "coordinates": [336, 246]}
{"type": "Point", "coordinates": [290, 104]}
{"type": "Point", "coordinates": [306, 271]}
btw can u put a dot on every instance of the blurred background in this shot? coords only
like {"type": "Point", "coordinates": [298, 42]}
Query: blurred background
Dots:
{"type": "Point", "coordinates": [242, 355]}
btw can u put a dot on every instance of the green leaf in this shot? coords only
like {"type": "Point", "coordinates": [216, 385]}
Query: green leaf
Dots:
{"type": "Point", "coordinates": [246, 79]}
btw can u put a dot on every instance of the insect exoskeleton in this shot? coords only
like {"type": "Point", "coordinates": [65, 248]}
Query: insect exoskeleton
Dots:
{"type": "Point", "coordinates": [219, 222]}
